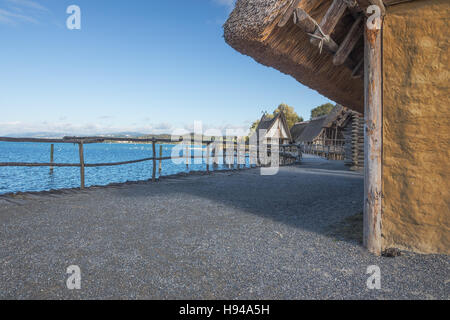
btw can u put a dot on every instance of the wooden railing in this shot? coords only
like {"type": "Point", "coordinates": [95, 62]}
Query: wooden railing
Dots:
{"type": "Point", "coordinates": [81, 141]}
{"type": "Point", "coordinates": [332, 149]}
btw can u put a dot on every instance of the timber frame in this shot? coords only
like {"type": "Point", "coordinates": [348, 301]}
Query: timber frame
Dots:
{"type": "Point", "coordinates": [370, 66]}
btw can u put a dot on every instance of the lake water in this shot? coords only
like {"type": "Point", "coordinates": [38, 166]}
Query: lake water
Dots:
{"type": "Point", "coordinates": [21, 179]}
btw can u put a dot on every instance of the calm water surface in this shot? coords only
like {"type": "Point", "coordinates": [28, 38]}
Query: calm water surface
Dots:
{"type": "Point", "coordinates": [15, 179]}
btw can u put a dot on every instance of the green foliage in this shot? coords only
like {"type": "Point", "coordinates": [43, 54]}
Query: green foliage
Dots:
{"type": "Point", "coordinates": [321, 110]}
{"type": "Point", "coordinates": [291, 116]}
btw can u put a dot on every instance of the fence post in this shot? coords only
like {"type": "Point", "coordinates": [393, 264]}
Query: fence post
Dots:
{"type": "Point", "coordinates": [52, 150]}
{"type": "Point", "coordinates": [154, 160]}
{"type": "Point", "coordinates": [207, 157]}
{"type": "Point", "coordinates": [224, 151]}
{"type": "Point", "coordinates": [81, 152]}
{"type": "Point", "coordinates": [238, 154]}
{"type": "Point", "coordinates": [160, 160]}
{"type": "Point", "coordinates": [187, 157]}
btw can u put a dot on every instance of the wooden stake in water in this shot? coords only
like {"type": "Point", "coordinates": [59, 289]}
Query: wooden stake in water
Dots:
{"type": "Point", "coordinates": [160, 158]}
{"type": "Point", "coordinates": [52, 150]}
{"type": "Point", "coordinates": [81, 152]}
{"type": "Point", "coordinates": [154, 160]}
{"type": "Point", "coordinates": [207, 158]}
{"type": "Point", "coordinates": [187, 157]}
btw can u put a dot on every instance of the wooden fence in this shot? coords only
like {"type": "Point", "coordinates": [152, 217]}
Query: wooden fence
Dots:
{"type": "Point", "coordinates": [330, 149]}
{"type": "Point", "coordinates": [286, 153]}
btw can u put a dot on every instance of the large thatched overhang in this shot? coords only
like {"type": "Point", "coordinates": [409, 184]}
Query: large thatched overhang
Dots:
{"type": "Point", "coordinates": [336, 48]}
{"type": "Point", "coordinates": [318, 42]}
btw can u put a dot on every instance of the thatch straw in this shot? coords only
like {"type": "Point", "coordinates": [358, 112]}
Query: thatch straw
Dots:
{"type": "Point", "coordinates": [252, 30]}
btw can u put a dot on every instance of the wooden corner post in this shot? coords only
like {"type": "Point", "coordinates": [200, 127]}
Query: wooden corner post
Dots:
{"type": "Point", "coordinates": [373, 111]}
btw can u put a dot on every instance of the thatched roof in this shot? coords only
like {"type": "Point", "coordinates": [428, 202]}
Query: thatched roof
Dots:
{"type": "Point", "coordinates": [297, 129]}
{"type": "Point", "coordinates": [252, 29]}
{"type": "Point", "coordinates": [266, 123]}
{"type": "Point", "coordinates": [310, 130]}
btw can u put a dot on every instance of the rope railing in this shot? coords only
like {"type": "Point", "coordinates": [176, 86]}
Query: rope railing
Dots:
{"type": "Point", "coordinates": [187, 153]}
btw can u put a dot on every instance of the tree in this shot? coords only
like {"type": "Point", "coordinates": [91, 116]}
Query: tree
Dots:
{"type": "Point", "coordinates": [321, 110]}
{"type": "Point", "coordinates": [291, 116]}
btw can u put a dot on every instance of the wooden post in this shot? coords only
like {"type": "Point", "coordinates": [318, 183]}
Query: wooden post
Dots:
{"type": "Point", "coordinates": [81, 152]}
{"type": "Point", "coordinates": [373, 109]}
{"type": "Point", "coordinates": [207, 157]}
{"type": "Point", "coordinates": [215, 155]}
{"type": "Point", "coordinates": [160, 156]}
{"type": "Point", "coordinates": [187, 157]}
{"type": "Point", "coordinates": [154, 160]}
{"type": "Point", "coordinates": [224, 151]}
{"type": "Point", "coordinates": [52, 150]}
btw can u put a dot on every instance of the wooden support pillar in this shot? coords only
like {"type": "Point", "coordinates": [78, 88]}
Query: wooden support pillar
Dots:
{"type": "Point", "coordinates": [154, 160]}
{"type": "Point", "coordinates": [373, 110]}
{"type": "Point", "coordinates": [81, 153]}
{"type": "Point", "coordinates": [52, 150]}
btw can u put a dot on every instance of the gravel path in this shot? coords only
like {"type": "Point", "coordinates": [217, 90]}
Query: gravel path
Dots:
{"type": "Point", "coordinates": [229, 235]}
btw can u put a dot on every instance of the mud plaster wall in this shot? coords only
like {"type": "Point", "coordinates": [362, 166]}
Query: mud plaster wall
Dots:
{"type": "Point", "coordinates": [416, 127]}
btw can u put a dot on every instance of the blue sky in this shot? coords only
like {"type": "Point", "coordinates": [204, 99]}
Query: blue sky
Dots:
{"type": "Point", "coordinates": [147, 66]}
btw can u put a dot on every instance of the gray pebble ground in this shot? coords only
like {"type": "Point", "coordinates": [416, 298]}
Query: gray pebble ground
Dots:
{"type": "Point", "coordinates": [228, 235]}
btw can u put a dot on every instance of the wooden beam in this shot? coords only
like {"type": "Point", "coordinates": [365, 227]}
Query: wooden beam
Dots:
{"type": "Point", "coordinates": [357, 71]}
{"type": "Point", "coordinates": [330, 20]}
{"type": "Point", "coordinates": [349, 43]}
{"type": "Point", "coordinates": [309, 25]}
{"type": "Point", "coordinates": [373, 105]}
{"type": "Point", "coordinates": [288, 13]}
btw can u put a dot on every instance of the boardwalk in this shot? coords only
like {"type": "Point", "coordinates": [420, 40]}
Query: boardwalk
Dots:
{"type": "Point", "coordinates": [226, 235]}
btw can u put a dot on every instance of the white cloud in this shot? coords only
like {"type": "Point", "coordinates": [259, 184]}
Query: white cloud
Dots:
{"type": "Point", "coordinates": [27, 4]}
{"type": "Point", "coordinates": [18, 128]}
{"type": "Point", "coordinates": [8, 17]}
{"type": "Point", "coordinates": [14, 12]}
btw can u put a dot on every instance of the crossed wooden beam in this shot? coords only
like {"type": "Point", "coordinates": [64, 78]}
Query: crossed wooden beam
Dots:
{"type": "Point", "coordinates": [320, 32]}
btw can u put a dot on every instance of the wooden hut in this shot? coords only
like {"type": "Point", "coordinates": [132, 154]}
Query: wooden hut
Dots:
{"type": "Point", "coordinates": [393, 68]}
{"type": "Point", "coordinates": [273, 127]}
{"type": "Point", "coordinates": [325, 135]}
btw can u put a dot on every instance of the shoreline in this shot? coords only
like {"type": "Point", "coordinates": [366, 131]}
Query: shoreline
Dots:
{"type": "Point", "coordinates": [120, 184]}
